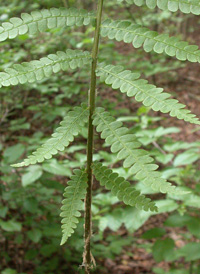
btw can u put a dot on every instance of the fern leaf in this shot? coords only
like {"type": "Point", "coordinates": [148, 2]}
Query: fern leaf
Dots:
{"type": "Point", "coordinates": [72, 204]}
{"type": "Point", "coordinates": [121, 188]}
{"type": "Point", "coordinates": [70, 127]}
{"type": "Point", "coordinates": [186, 6]}
{"type": "Point", "coordinates": [148, 94]}
{"type": "Point", "coordinates": [127, 147]}
{"type": "Point", "coordinates": [150, 40]}
{"type": "Point", "coordinates": [39, 69]}
{"type": "Point", "coordinates": [43, 20]}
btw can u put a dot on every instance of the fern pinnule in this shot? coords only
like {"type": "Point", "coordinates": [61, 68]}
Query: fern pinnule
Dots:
{"type": "Point", "coordinates": [186, 6]}
{"type": "Point", "coordinates": [36, 70]}
{"type": "Point", "coordinates": [70, 127]}
{"type": "Point", "coordinates": [148, 94]}
{"type": "Point", "coordinates": [72, 204]}
{"type": "Point", "coordinates": [128, 149]}
{"type": "Point", "coordinates": [43, 20]}
{"type": "Point", "coordinates": [150, 40]}
{"type": "Point", "coordinates": [121, 188]}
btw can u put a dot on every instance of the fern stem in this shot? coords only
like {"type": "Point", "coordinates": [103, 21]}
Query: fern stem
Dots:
{"type": "Point", "coordinates": [90, 145]}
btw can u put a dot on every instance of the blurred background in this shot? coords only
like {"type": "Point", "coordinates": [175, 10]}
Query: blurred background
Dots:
{"type": "Point", "coordinates": [125, 240]}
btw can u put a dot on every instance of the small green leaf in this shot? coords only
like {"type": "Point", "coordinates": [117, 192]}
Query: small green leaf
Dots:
{"type": "Point", "coordinates": [177, 220]}
{"type": "Point", "coordinates": [194, 226]}
{"type": "Point", "coordinates": [186, 158]}
{"type": "Point", "coordinates": [166, 205]}
{"type": "Point", "coordinates": [33, 174]}
{"type": "Point", "coordinates": [112, 221]}
{"type": "Point", "coordinates": [35, 235]}
{"type": "Point", "coordinates": [134, 218]}
{"type": "Point", "coordinates": [154, 233]}
{"type": "Point", "coordinates": [9, 271]}
{"type": "Point", "coordinates": [13, 153]}
{"type": "Point", "coordinates": [48, 249]}
{"type": "Point", "coordinates": [54, 167]}
{"type": "Point", "coordinates": [190, 252]}
{"type": "Point", "coordinates": [163, 250]}
{"type": "Point", "coordinates": [11, 225]}
{"type": "Point", "coordinates": [3, 211]}
{"type": "Point", "coordinates": [31, 205]}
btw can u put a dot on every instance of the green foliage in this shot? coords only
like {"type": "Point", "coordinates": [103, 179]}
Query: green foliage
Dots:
{"type": "Point", "coordinates": [190, 222]}
{"type": "Point", "coordinates": [70, 127]}
{"type": "Point", "coordinates": [115, 244]}
{"type": "Point", "coordinates": [154, 233]}
{"type": "Point", "coordinates": [140, 36]}
{"type": "Point", "coordinates": [39, 69]}
{"type": "Point", "coordinates": [131, 218]}
{"type": "Point", "coordinates": [126, 145]}
{"type": "Point", "coordinates": [190, 252]}
{"type": "Point", "coordinates": [43, 20]}
{"type": "Point", "coordinates": [9, 271]}
{"type": "Point", "coordinates": [186, 6]}
{"type": "Point", "coordinates": [72, 204]}
{"type": "Point", "coordinates": [163, 250]}
{"type": "Point", "coordinates": [122, 188]}
{"type": "Point", "coordinates": [10, 225]}
{"type": "Point", "coordinates": [148, 94]}
{"type": "Point", "coordinates": [32, 174]}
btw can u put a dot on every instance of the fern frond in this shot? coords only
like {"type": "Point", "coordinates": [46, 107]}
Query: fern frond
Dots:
{"type": "Point", "coordinates": [127, 147]}
{"type": "Point", "coordinates": [150, 40]}
{"type": "Point", "coordinates": [70, 127]}
{"type": "Point", "coordinates": [121, 188]}
{"type": "Point", "coordinates": [43, 20]}
{"type": "Point", "coordinates": [186, 6]}
{"type": "Point", "coordinates": [72, 204]}
{"type": "Point", "coordinates": [148, 94]}
{"type": "Point", "coordinates": [37, 70]}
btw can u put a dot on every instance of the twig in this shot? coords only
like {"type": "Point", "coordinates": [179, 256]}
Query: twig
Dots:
{"type": "Point", "coordinates": [66, 3]}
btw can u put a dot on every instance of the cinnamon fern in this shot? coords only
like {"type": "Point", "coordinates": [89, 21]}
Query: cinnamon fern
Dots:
{"type": "Point", "coordinates": [122, 142]}
{"type": "Point", "coordinates": [43, 20]}
{"type": "Point", "coordinates": [129, 149]}
{"type": "Point", "coordinates": [69, 127]}
{"type": "Point", "coordinates": [39, 69]}
{"type": "Point", "coordinates": [186, 6]}
{"type": "Point", "coordinates": [148, 94]}
{"type": "Point", "coordinates": [74, 193]}
{"type": "Point", "coordinates": [121, 188]}
{"type": "Point", "coordinates": [140, 36]}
